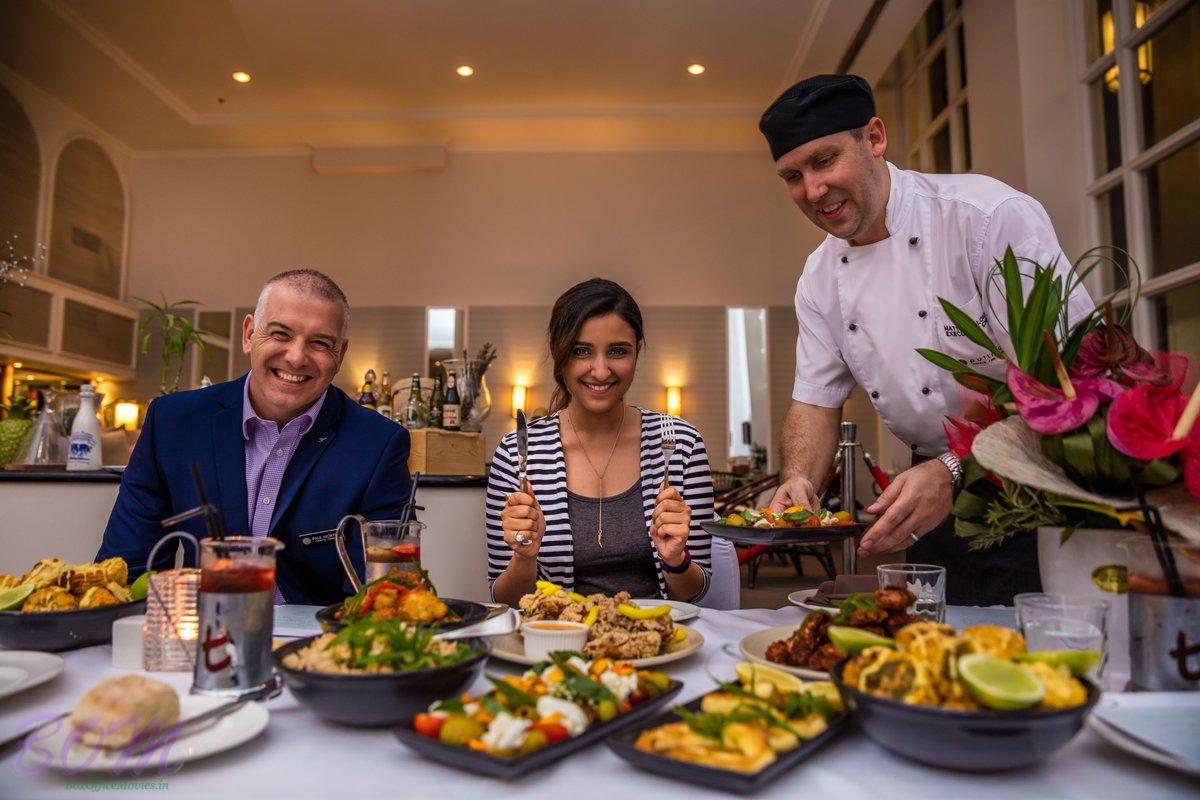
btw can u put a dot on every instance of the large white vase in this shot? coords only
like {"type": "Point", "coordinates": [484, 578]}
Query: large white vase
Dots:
{"type": "Point", "coordinates": [1090, 564]}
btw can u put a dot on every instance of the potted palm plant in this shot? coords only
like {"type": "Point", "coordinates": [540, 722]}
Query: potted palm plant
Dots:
{"type": "Point", "coordinates": [176, 334]}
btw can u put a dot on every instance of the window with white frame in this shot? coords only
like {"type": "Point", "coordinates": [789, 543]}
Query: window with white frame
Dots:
{"type": "Point", "coordinates": [1142, 81]}
{"type": "Point", "coordinates": [929, 80]}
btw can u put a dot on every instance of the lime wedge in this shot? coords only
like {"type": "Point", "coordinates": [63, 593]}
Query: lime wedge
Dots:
{"type": "Point", "coordinates": [13, 597]}
{"type": "Point", "coordinates": [1079, 662]}
{"type": "Point", "coordinates": [141, 587]}
{"type": "Point", "coordinates": [853, 641]}
{"type": "Point", "coordinates": [753, 674]}
{"type": "Point", "coordinates": [999, 683]}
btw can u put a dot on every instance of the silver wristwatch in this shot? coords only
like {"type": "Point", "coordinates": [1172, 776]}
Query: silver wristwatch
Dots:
{"type": "Point", "coordinates": [955, 466]}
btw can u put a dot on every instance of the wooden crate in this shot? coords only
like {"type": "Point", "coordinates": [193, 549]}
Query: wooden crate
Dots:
{"type": "Point", "coordinates": [438, 452]}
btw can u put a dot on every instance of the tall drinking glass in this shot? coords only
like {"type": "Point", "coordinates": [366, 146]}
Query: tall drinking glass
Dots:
{"type": "Point", "coordinates": [926, 581]}
{"type": "Point", "coordinates": [237, 614]}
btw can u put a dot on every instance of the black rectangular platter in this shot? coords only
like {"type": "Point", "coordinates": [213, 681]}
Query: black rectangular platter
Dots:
{"type": "Point", "coordinates": [712, 777]}
{"type": "Point", "coordinates": [748, 534]}
{"type": "Point", "coordinates": [516, 766]}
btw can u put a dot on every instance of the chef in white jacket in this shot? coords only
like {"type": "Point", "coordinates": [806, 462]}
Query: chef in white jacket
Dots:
{"type": "Point", "coordinates": [868, 298]}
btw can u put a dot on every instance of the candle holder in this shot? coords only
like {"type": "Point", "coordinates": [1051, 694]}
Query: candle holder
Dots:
{"type": "Point", "coordinates": [172, 621]}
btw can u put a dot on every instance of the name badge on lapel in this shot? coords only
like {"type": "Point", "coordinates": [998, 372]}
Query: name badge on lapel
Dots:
{"type": "Point", "coordinates": [317, 537]}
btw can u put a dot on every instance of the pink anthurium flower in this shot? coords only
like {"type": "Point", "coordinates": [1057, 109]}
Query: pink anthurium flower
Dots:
{"type": "Point", "coordinates": [1111, 351]}
{"type": "Point", "coordinates": [1052, 411]}
{"type": "Point", "coordinates": [1149, 422]}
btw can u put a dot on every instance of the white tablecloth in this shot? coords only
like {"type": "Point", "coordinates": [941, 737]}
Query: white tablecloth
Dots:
{"type": "Point", "coordinates": [300, 756]}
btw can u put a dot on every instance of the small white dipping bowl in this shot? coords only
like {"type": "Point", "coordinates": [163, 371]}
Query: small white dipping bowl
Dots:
{"type": "Point", "coordinates": [544, 636]}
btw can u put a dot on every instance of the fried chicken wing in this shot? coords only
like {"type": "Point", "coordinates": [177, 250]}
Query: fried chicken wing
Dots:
{"type": "Point", "coordinates": [894, 598]}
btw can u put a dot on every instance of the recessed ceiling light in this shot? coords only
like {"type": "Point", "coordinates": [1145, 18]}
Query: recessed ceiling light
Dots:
{"type": "Point", "coordinates": [696, 69]}
{"type": "Point", "coordinates": [17, 365]}
{"type": "Point", "coordinates": [465, 71]}
{"type": "Point", "coordinates": [241, 77]}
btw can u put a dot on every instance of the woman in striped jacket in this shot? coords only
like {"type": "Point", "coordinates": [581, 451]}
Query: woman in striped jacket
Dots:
{"type": "Point", "coordinates": [594, 514]}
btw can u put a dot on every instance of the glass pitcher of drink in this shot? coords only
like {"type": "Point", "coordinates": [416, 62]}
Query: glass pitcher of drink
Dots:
{"type": "Point", "coordinates": [237, 615]}
{"type": "Point", "coordinates": [389, 545]}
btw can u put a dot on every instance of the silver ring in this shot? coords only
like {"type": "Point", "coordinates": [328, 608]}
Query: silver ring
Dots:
{"type": "Point", "coordinates": [521, 540]}
{"type": "Point", "coordinates": [915, 537]}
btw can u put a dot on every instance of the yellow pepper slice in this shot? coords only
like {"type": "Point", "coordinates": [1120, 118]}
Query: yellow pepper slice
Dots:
{"type": "Point", "coordinates": [592, 615]}
{"type": "Point", "coordinates": [576, 597]}
{"type": "Point", "coordinates": [546, 587]}
{"type": "Point", "coordinates": [679, 635]}
{"type": "Point", "coordinates": [636, 612]}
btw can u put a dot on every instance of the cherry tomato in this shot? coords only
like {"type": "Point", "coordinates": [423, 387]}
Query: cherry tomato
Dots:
{"type": "Point", "coordinates": [554, 732]}
{"type": "Point", "coordinates": [428, 724]}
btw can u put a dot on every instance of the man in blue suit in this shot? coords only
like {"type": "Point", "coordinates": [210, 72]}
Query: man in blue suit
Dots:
{"type": "Point", "coordinates": [282, 452]}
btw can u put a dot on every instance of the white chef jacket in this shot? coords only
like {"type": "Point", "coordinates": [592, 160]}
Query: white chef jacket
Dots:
{"type": "Point", "coordinates": [863, 311]}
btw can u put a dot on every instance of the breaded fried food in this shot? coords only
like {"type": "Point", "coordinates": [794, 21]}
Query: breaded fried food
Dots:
{"type": "Point", "coordinates": [115, 570]}
{"type": "Point", "coordinates": [896, 675]}
{"type": "Point", "coordinates": [50, 598]}
{"type": "Point", "coordinates": [79, 578]}
{"type": "Point", "coordinates": [894, 598]}
{"type": "Point", "coordinates": [98, 596]}
{"type": "Point", "coordinates": [9, 581]}
{"type": "Point", "coordinates": [1062, 689]}
{"type": "Point", "coordinates": [46, 572]}
{"type": "Point", "coordinates": [993, 640]}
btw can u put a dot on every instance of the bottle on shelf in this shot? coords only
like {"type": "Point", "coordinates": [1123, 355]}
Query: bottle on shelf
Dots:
{"type": "Point", "coordinates": [416, 413]}
{"type": "Point", "coordinates": [85, 433]}
{"type": "Point", "coordinates": [367, 396]}
{"type": "Point", "coordinates": [384, 405]}
{"type": "Point", "coordinates": [436, 401]}
{"type": "Point", "coordinates": [452, 408]}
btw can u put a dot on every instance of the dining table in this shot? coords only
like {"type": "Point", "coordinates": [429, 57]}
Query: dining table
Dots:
{"type": "Point", "coordinates": [299, 755]}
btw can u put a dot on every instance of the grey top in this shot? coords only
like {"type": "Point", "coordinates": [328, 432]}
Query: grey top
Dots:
{"type": "Point", "coordinates": [626, 562]}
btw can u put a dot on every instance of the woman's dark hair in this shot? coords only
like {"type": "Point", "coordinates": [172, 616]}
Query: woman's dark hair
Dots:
{"type": "Point", "coordinates": [575, 306]}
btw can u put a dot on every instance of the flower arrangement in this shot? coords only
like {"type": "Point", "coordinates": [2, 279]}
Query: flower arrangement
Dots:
{"type": "Point", "coordinates": [1114, 417]}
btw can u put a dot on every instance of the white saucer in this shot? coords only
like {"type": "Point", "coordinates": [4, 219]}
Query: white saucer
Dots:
{"type": "Point", "coordinates": [226, 733]}
{"type": "Point", "coordinates": [25, 669]}
{"type": "Point", "coordinates": [1119, 739]}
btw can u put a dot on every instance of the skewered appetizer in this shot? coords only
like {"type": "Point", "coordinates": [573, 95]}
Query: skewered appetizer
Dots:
{"type": "Point", "coordinates": [746, 724]}
{"type": "Point", "coordinates": [552, 701]}
{"type": "Point", "coordinates": [795, 516]}
{"type": "Point", "coordinates": [407, 596]}
{"type": "Point", "coordinates": [54, 585]}
{"type": "Point", "coordinates": [616, 627]}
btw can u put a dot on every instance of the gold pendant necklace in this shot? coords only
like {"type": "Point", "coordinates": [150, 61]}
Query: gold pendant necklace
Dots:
{"type": "Point", "coordinates": [599, 474]}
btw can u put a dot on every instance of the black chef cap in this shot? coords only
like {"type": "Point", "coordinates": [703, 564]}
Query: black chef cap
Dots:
{"type": "Point", "coordinates": [816, 107]}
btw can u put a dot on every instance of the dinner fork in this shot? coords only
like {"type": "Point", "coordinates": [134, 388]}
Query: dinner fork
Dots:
{"type": "Point", "coordinates": [667, 443]}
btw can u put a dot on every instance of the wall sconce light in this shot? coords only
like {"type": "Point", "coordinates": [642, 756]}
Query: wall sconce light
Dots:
{"type": "Point", "coordinates": [125, 414]}
{"type": "Point", "coordinates": [1108, 36]}
{"type": "Point", "coordinates": [675, 401]}
{"type": "Point", "coordinates": [520, 396]}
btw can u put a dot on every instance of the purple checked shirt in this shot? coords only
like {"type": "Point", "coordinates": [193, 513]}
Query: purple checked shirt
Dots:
{"type": "Point", "coordinates": [268, 451]}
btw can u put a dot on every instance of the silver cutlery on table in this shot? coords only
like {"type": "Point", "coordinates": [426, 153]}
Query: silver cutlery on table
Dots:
{"type": "Point", "coordinates": [201, 721]}
{"type": "Point", "coordinates": [13, 742]}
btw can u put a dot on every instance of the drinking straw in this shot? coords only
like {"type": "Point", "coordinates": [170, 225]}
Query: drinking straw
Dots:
{"type": "Point", "coordinates": [1162, 548]}
{"type": "Point", "coordinates": [212, 519]}
{"type": "Point", "coordinates": [406, 513]}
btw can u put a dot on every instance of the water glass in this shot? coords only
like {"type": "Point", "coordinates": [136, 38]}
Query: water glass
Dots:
{"type": "Point", "coordinates": [926, 581]}
{"type": "Point", "coordinates": [1051, 621]}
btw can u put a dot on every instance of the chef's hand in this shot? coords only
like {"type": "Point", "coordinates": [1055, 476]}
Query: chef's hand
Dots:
{"type": "Point", "coordinates": [795, 492]}
{"type": "Point", "coordinates": [916, 502]}
{"type": "Point", "coordinates": [522, 515]}
{"type": "Point", "coordinates": [670, 525]}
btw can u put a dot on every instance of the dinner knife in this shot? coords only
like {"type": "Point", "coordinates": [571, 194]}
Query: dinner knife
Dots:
{"type": "Point", "coordinates": [176, 732]}
{"type": "Point", "coordinates": [11, 744]}
{"type": "Point", "coordinates": [522, 448]}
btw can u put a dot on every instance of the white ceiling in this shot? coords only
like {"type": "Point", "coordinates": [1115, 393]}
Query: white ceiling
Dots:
{"type": "Point", "coordinates": [549, 73]}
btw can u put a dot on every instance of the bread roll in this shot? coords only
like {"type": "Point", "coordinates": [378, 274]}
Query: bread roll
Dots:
{"type": "Point", "coordinates": [116, 711]}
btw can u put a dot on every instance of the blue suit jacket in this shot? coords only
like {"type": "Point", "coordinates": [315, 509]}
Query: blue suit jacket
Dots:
{"type": "Point", "coordinates": [352, 461]}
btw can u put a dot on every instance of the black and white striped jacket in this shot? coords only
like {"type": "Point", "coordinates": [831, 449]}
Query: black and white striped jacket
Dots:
{"type": "Point", "coordinates": [547, 473]}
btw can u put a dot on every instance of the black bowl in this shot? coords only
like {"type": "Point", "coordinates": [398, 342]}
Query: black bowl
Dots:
{"type": "Point", "coordinates": [378, 700]}
{"type": "Point", "coordinates": [55, 631]}
{"type": "Point", "coordinates": [979, 741]}
{"type": "Point", "coordinates": [468, 614]}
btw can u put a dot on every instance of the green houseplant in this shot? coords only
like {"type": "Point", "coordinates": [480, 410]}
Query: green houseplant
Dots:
{"type": "Point", "coordinates": [176, 333]}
